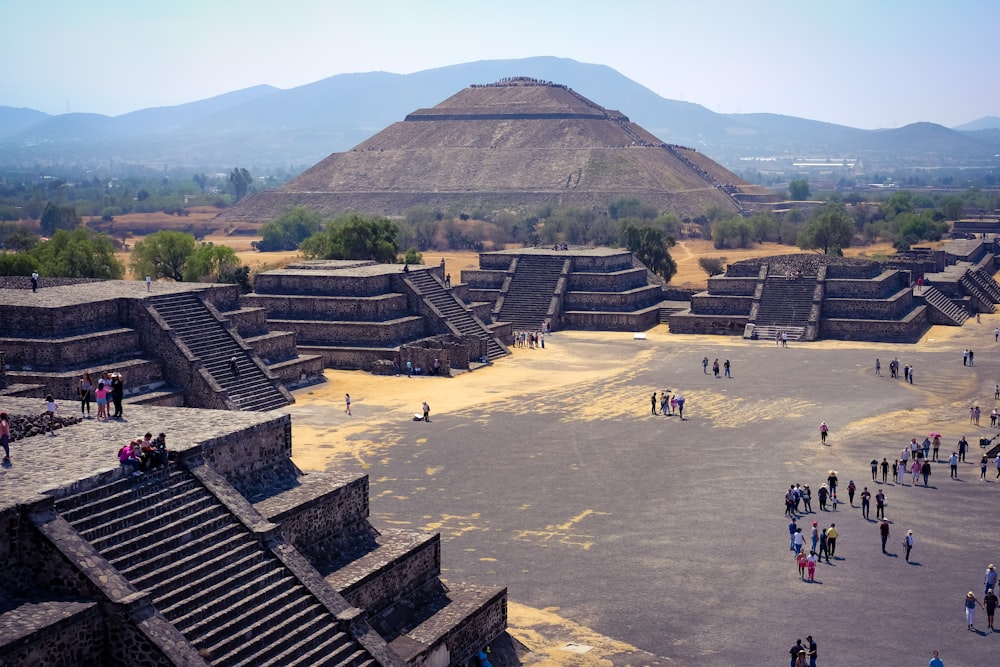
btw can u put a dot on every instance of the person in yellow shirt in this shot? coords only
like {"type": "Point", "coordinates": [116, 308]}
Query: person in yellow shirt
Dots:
{"type": "Point", "coordinates": [831, 539]}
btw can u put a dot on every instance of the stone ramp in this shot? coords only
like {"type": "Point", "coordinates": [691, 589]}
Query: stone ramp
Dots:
{"type": "Point", "coordinates": [464, 322]}
{"type": "Point", "coordinates": [209, 574]}
{"type": "Point", "coordinates": [214, 345]}
{"type": "Point", "coordinates": [528, 297]}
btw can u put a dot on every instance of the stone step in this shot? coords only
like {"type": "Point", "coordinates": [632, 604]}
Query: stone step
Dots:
{"type": "Point", "coordinates": [178, 598]}
{"type": "Point", "coordinates": [156, 533]}
{"type": "Point", "coordinates": [150, 548]}
{"type": "Point", "coordinates": [111, 520]}
{"type": "Point", "coordinates": [236, 553]}
{"type": "Point", "coordinates": [119, 492]}
{"type": "Point", "coordinates": [334, 649]}
{"type": "Point", "coordinates": [231, 600]}
{"type": "Point", "coordinates": [298, 618]}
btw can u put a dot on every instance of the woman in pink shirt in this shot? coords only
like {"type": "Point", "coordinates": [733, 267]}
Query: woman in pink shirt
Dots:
{"type": "Point", "coordinates": [102, 401]}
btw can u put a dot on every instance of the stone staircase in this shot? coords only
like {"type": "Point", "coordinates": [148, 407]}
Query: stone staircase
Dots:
{"type": "Point", "coordinates": [214, 345]}
{"type": "Point", "coordinates": [464, 322]}
{"type": "Point", "coordinates": [986, 283]}
{"type": "Point", "coordinates": [981, 299]}
{"type": "Point", "coordinates": [529, 295]}
{"type": "Point", "coordinates": [208, 574]}
{"type": "Point", "coordinates": [945, 306]}
{"type": "Point", "coordinates": [785, 305]}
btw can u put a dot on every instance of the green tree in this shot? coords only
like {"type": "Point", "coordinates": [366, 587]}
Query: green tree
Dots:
{"type": "Point", "coordinates": [56, 217]}
{"type": "Point", "coordinates": [17, 264]}
{"type": "Point", "coordinates": [734, 232]}
{"type": "Point", "coordinates": [354, 237]}
{"type": "Point", "coordinates": [210, 263]}
{"type": "Point", "coordinates": [713, 266]}
{"type": "Point", "coordinates": [289, 230]}
{"type": "Point", "coordinates": [241, 180]}
{"type": "Point", "coordinates": [16, 236]}
{"type": "Point", "coordinates": [80, 253]}
{"type": "Point", "coordinates": [163, 254]}
{"type": "Point", "coordinates": [832, 228]}
{"type": "Point", "coordinates": [652, 248]}
{"type": "Point", "coordinates": [798, 190]}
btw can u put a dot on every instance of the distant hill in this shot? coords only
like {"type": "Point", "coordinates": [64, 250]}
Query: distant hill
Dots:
{"type": "Point", "coordinates": [266, 129]}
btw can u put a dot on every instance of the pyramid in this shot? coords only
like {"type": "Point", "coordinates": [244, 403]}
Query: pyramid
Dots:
{"type": "Point", "coordinates": [517, 144]}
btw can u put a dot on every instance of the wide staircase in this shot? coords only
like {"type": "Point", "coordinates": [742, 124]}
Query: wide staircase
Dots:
{"type": "Point", "coordinates": [216, 581]}
{"type": "Point", "coordinates": [529, 294]}
{"type": "Point", "coordinates": [981, 299]}
{"type": "Point", "coordinates": [205, 336]}
{"type": "Point", "coordinates": [985, 282]}
{"type": "Point", "coordinates": [785, 305]}
{"type": "Point", "coordinates": [945, 306]}
{"type": "Point", "coordinates": [435, 293]}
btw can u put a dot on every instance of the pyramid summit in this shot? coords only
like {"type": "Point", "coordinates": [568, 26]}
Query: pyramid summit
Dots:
{"type": "Point", "coordinates": [516, 144]}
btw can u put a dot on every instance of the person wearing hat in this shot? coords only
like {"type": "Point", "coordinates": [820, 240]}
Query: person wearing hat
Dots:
{"type": "Point", "coordinates": [970, 608]}
{"type": "Point", "coordinates": [990, 601]}
{"type": "Point", "coordinates": [908, 544]}
{"type": "Point", "coordinates": [883, 529]}
{"type": "Point", "coordinates": [990, 581]}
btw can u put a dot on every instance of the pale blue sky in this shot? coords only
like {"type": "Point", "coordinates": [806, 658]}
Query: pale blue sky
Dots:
{"type": "Point", "coordinates": [868, 64]}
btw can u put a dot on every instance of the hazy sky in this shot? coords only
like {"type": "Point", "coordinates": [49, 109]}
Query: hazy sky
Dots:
{"type": "Point", "coordinates": [863, 63]}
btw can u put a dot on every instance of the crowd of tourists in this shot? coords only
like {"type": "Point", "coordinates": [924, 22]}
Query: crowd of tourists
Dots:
{"type": "Point", "coordinates": [144, 454]}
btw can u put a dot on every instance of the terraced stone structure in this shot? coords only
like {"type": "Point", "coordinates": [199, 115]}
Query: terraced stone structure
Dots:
{"type": "Point", "coordinates": [377, 317]}
{"type": "Point", "coordinates": [228, 555]}
{"type": "Point", "coordinates": [517, 144]}
{"type": "Point", "coordinates": [178, 344]}
{"type": "Point", "coordinates": [573, 288]}
{"type": "Point", "coordinates": [810, 296]}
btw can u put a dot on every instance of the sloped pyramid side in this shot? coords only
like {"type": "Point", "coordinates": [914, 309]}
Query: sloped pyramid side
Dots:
{"type": "Point", "coordinates": [502, 145]}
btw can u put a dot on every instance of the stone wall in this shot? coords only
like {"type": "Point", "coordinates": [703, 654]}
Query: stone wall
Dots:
{"type": "Point", "coordinates": [318, 283]}
{"type": "Point", "coordinates": [70, 352]}
{"type": "Point", "coordinates": [78, 638]}
{"type": "Point", "coordinates": [907, 330]}
{"type": "Point", "coordinates": [242, 455]}
{"type": "Point", "coordinates": [730, 286]}
{"type": "Point", "coordinates": [613, 301]}
{"type": "Point", "coordinates": [606, 321]}
{"type": "Point", "coordinates": [601, 263]}
{"type": "Point", "coordinates": [726, 325]}
{"type": "Point", "coordinates": [608, 282]}
{"type": "Point", "coordinates": [483, 279]}
{"type": "Point", "coordinates": [355, 309]}
{"type": "Point", "coordinates": [880, 287]}
{"type": "Point", "coordinates": [326, 515]}
{"type": "Point", "coordinates": [68, 320]}
{"type": "Point", "coordinates": [375, 334]}
{"type": "Point", "coordinates": [708, 304]}
{"type": "Point", "coordinates": [870, 309]}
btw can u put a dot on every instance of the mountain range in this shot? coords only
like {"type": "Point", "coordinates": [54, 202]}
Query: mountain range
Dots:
{"type": "Point", "coordinates": [270, 130]}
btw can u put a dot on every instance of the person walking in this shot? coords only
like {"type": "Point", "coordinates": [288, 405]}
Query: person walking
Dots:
{"type": "Point", "coordinates": [936, 444]}
{"type": "Point", "coordinates": [798, 541]}
{"type": "Point", "coordinates": [814, 535]}
{"type": "Point", "coordinates": [850, 492]}
{"type": "Point", "coordinates": [653, 400]}
{"type": "Point", "coordinates": [970, 608]}
{"type": "Point", "coordinates": [925, 470]}
{"type": "Point", "coordinates": [990, 580]}
{"type": "Point", "coordinates": [883, 530]}
{"type": "Point", "coordinates": [811, 652]}
{"type": "Point", "coordinates": [5, 436]}
{"type": "Point", "coordinates": [792, 527]}
{"type": "Point", "coordinates": [823, 495]}
{"type": "Point", "coordinates": [823, 431]}
{"type": "Point", "coordinates": [878, 367]}
{"type": "Point", "coordinates": [880, 505]}
{"type": "Point", "coordinates": [866, 502]}
{"type": "Point", "coordinates": [806, 497]}
{"type": "Point", "coordinates": [347, 403]}
{"type": "Point", "coordinates": [715, 368]}
{"type": "Point", "coordinates": [996, 462]}
{"type": "Point", "coordinates": [953, 464]}
{"type": "Point", "coordinates": [824, 546]}
{"type": "Point", "coordinates": [963, 447]}
{"type": "Point", "coordinates": [885, 469]}
{"type": "Point", "coordinates": [831, 540]}
{"type": "Point", "coordinates": [983, 463]}
{"type": "Point", "coordinates": [427, 411]}
{"type": "Point", "coordinates": [874, 465]}
{"type": "Point", "coordinates": [704, 365]}
{"type": "Point", "coordinates": [34, 281]}
{"type": "Point", "coordinates": [990, 601]}
{"type": "Point", "coordinates": [726, 367]}
{"type": "Point", "coordinates": [908, 544]}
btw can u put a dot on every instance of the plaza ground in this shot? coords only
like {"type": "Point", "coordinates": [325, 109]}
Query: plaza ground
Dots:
{"type": "Point", "coordinates": [657, 541]}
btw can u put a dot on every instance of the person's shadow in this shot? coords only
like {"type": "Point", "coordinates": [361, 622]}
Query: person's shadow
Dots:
{"type": "Point", "coordinates": [891, 554]}
{"type": "Point", "coordinates": [914, 563]}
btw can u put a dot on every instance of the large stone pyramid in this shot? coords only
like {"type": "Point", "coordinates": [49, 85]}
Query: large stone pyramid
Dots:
{"type": "Point", "coordinates": [516, 144]}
